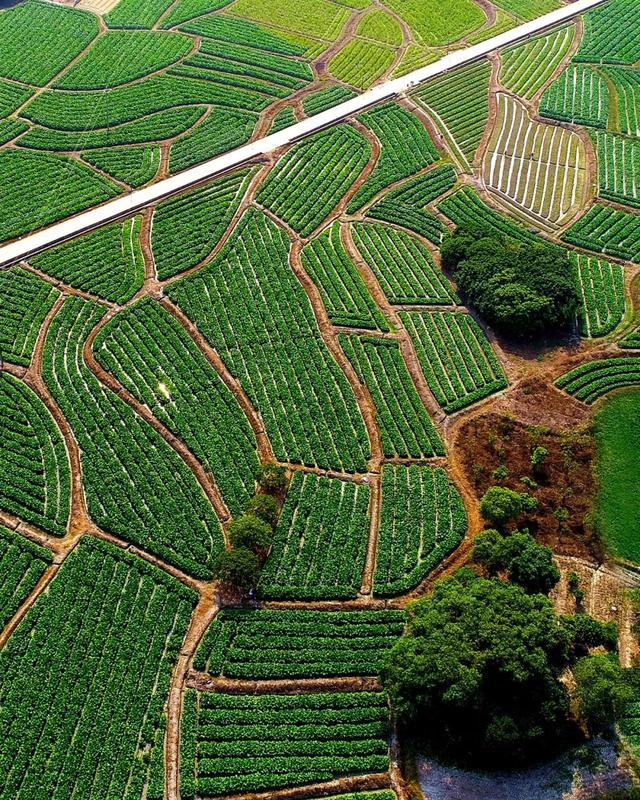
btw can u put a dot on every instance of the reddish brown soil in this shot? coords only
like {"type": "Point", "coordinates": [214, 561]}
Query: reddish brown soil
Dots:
{"type": "Point", "coordinates": [564, 481]}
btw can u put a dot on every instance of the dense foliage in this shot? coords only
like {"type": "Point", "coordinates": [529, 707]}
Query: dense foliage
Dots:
{"type": "Point", "coordinates": [524, 290]}
{"type": "Point", "coordinates": [477, 673]}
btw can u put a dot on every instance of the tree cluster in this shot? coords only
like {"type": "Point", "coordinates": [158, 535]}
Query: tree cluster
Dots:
{"type": "Point", "coordinates": [250, 534]}
{"type": "Point", "coordinates": [524, 290]}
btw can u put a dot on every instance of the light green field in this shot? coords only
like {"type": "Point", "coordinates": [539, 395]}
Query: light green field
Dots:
{"type": "Point", "coordinates": [434, 22]}
{"type": "Point", "coordinates": [360, 63]}
{"type": "Point", "coordinates": [618, 472]}
{"type": "Point", "coordinates": [320, 18]}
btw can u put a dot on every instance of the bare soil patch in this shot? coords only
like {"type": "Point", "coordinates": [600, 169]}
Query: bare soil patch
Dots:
{"type": "Point", "coordinates": [564, 484]}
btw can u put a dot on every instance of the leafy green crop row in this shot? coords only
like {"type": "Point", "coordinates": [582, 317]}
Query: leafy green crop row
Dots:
{"type": "Point", "coordinates": [22, 564]}
{"type": "Point", "coordinates": [609, 231]}
{"type": "Point", "coordinates": [592, 380]}
{"type": "Point", "coordinates": [241, 744]}
{"type": "Point", "coordinates": [34, 468]}
{"type": "Point", "coordinates": [320, 543]}
{"type": "Point", "coordinates": [259, 645]}
{"type": "Point", "coordinates": [456, 357]}
{"type": "Point", "coordinates": [600, 284]}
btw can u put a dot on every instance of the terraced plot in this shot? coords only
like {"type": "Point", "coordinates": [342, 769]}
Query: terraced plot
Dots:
{"type": "Point", "coordinates": [107, 263]}
{"type": "Point", "coordinates": [406, 148]}
{"type": "Point", "coordinates": [153, 357]}
{"type": "Point", "coordinates": [527, 67]}
{"type": "Point", "coordinates": [542, 169]}
{"type": "Point", "coordinates": [134, 166]}
{"type": "Point", "coordinates": [260, 321]}
{"type": "Point", "coordinates": [325, 167]}
{"type": "Point", "coordinates": [320, 543]}
{"type": "Point", "coordinates": [422, 521]}
{"type": "Point", "coordinates": [607, 230]}
{"type": "Point", "coordinates": [266, 645]}
{"type": "Point", "coordinates": [137, 486]}
{"type": "Point", "coordinates": [237, 744]}
{"type": "Point", "coordinates": [601, 286]}
{"type": "Point", "coordinates": [188, 227]}
{"type": "Point", "coordinates": [618, 168]}
{"type": "Point", "coordinates": [456, 357]}
{"type": "Point", "coordinates": [590, 381]}
{"type": "Point", "coordinates": [344, 293]}
{"type": "Point", "coordinates": [405, 205]}
{"type": "Point", "coordinates": [459, 103]}
{"type": "Point", "coordinates": [627, 94]}
{"type": "Point", "coordinates": [612, 34]}
{"type": "Point", "coordinates": [22, 564]}
{"type": "Point", "coordinates": [100, 645]}
{"type": "Point", "coordinates": [25, 301]}
{"type": "Point", "coordinates": [403, 266]}
{"type": "Point", "coordinates": [34, 467]}
{"type": "Point", "coordinates": [579, 95]}
{"type": "Point", "coordinates": [406, 430]}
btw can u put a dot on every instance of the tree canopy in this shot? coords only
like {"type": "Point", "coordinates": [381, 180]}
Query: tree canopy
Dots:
{"type": "Point", "coordinates": [500, 505]}
{"type": "Point", "coordinates": [524, 561]}
{"type": "Point", "coordinates": [479, 668]}
{"type": "Point", "coordinates": [522, 289]}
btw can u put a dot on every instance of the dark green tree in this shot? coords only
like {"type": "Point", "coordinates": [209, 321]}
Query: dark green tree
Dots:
{"type": "Point", "coordinates": [252, 533]}
{"type": "Point", "coordinates": [264, 506]}
{"type": "Point", "coordinates": [272, 478]}
{"type": "Point", "coordinates": [520, 557]}
{"type": "Point", "coordinates": [603, 689]}
{"type": "Point", "coordinates": [238, 568]}
{"type": "Point", "coordinates": [501, 505]}
{"type": "Point", "coordinates": [477, 671]}
{"type": "Point", "coordinates": [522, 289]}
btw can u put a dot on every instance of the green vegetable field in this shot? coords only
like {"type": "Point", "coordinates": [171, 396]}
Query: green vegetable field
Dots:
{"type": "Point", "coordinates": [246, 425]}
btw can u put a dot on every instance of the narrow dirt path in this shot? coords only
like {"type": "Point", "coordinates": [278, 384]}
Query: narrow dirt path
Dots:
{"type": "Point", "coordinates": [208, 683]}
{"type": "Point", "coordinates": [203, 614]}
{"type": "Point", "coordinates": [204, 478]}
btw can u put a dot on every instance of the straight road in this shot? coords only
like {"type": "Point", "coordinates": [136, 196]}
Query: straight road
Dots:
{"type": "Point", "coordinates": [132, 202]}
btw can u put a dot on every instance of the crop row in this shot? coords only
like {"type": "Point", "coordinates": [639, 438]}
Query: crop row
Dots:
{"type": "Point", "coordinates": [187, 228]}
{"type": "Point", "coordinates": [22, 564]}
{"type": "Point", "coordinates": [609, 231]}
{"type": "Point", "coordinates": [118, 57]}
{"type": "Point", "coordinates": [152, 356]}
{"type": "Point", "coordinates": [618, 168]}
{"type": "Point", "coordinates": [136, 13]}
{"type": "Point", "coordinates": [422, 521]}
{"type": "Point", "coordinates": [527, 67]}
{"type": "Point", "coordinates": [361, 62]}
{"type": "Point", "coordinates": [186, 10]}
{"type": "Point", "coordinates": [223, 28]}
{"type": "Point", "coordinates": [34, 468]}
{"type": "Point", "coordinates": [578, 95]}
{"type": "Point", "coordinates": [456, 357]}
{"type": "Point", "coordinates": [45, 188]}
{"type": "Point", "coordinates": [25, 301]}
{"type": "Point", "coordinates": [467, 210]}
{"type": "Point", "coordinates": [252, 309]}
{"type": "Point", "coordinates": [137, 487]}
{"type": "Point", "coordinates": [405, 205]}
{"type": "Point", "coordinates": [539, 167]}
{"type": "Point", "coordinates": [107, 262]}
{"type": "Point", "coordinates": [406, 148]}
{"type": "Point", "coordinates": [344, 293]}
{"type": "Point", "coordinates": [259, 645]}
{"type": "Point", "coordinates": [406, 430]}
{"type": "Point", "coordinates": [238, 744]}
{"type": "Point", "coordinates": [154, 128]}
{"type": "Point", "coordinates": [402, 265]}
{"type": "Point", "coordinates": [37, 40]}
{"type": "Point", "coordinates": [611, 34]}
{"type": "Point", "coordinates": [84, 680]}
{"type": "Point", "coordinates": [132, 165]}
{"type": "Point", "coordinates": [592, 380]}
{"type": "Point", "coordinates": [322, 169]}
{"type": "Point", "coordinates": [320, 543]}
{"type": "Point", "coordinates": [600, 284]}
{"type": "Point", "coordinates": [460, 103]}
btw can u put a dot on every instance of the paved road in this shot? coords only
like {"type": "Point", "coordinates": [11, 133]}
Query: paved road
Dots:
{"type": "Point", "coordinates": [134, 201]}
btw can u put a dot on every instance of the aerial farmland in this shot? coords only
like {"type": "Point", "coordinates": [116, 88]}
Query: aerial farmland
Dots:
{"type": "Point", "coordinates": [320, 392]}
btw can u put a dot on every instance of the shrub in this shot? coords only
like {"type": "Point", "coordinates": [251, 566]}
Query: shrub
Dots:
{"type": "Point", "coordinates": [238, 568]}
{"type": "Point", "coordinates": [272, 478]}
{"type": "Point", "coordinates": [263, 506]}
{"type": "Point", "coordinates": [500, 505]}
{"type": "Point", "coordinates": [252, 533]}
